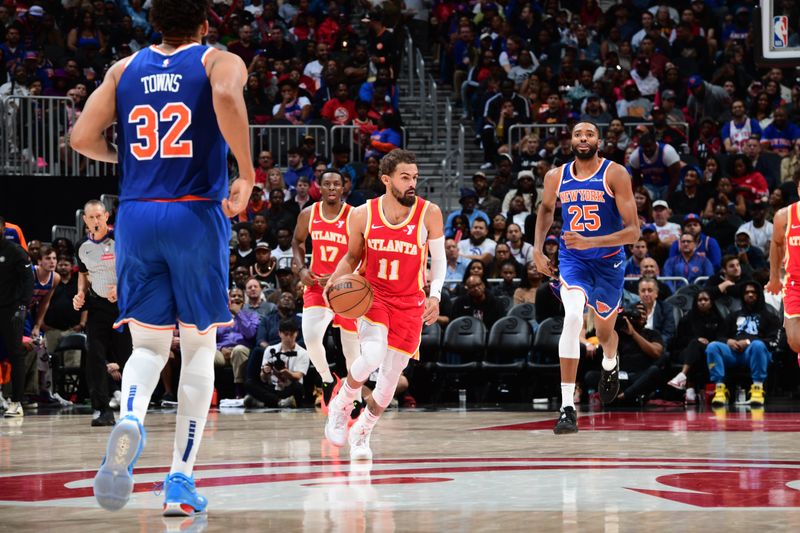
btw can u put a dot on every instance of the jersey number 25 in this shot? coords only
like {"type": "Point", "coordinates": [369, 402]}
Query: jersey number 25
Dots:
{"type": "Point", "coordinates": [147, 120]}
{"type": "Point", "coordinates": [583, 218]}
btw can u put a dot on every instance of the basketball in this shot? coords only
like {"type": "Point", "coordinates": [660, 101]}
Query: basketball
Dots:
{"type": "Point", "coordinates": [350, 296]}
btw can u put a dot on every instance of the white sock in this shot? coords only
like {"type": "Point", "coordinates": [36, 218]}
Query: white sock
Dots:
{"type": "Point", "coordinates": [347, 394]}
{"type": "Point", "coordinates": [143, 369]}
{"type": "Point", "coordinates": [195, 389]}
{"type": "Point", "coordinates": [609, 363]}
{"type": "Point", "coordinates": [567, 395]}
{"type": "Point", "coordinates": [368, 419]}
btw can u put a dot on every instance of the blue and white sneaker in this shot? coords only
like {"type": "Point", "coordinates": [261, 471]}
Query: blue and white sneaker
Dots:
{"type": "Point", "coordinates": [181, 498]}
{"type": "Point", "coordinates": [113, 483]}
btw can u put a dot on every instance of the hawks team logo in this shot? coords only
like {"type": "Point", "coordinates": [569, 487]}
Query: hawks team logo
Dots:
{"type": "Point", "coordinates": [634, 484]}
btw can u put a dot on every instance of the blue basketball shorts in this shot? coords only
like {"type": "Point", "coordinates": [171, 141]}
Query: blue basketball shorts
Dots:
{"type": "Point", "coordinates": [172, 264]}
{"type": "Point", "coordinates": [601, 280]}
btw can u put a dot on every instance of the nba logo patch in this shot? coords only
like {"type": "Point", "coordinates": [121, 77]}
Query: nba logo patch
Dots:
{"type": "Point", "coordinates": [780, 31]}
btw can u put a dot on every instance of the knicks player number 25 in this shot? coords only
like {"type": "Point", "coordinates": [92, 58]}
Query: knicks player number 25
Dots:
{"type": "Point", "coordinates": [147, 130]}
{"type": "Point", "coordinates": [584, 217]}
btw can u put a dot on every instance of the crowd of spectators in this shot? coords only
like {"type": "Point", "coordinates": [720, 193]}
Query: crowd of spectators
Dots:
{"type": "Point", "coordinates": [708, 138]}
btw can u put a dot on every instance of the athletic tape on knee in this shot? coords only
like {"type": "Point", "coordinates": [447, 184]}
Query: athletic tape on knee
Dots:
{"type": "Point", "coordinates": [388, 376]}
{"type": "Point", "coordinates": [373, 351]}
{"type": "Point", "coordinates": [574, 302]}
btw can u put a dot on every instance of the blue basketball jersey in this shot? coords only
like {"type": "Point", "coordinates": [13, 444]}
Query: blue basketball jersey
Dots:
{"type": "Point", "coordinates": [588, 207]}
{"type": "Point", "coordinates": [169, 142]}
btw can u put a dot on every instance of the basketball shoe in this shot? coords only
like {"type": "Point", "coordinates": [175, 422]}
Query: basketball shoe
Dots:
{"type": "Point", "coordinates": [720, 396]}
{"type": "Point", "coordinates": [336, 424]}
{"type": "Point", "coordinates": [113, 483]}
{"type": "Point", "coordinates": [14, 410]}
{"type": "Point", "coordinates": [359, 440]}
{"type": "Point", "coordinates": [329, 390]}
{"type": "Point", "coordinates": [181, 498]}
{"type": "Point", "coordinates": [756, 395]}
{"type": "Point", "coordinates": [609, 383]}
{"type": "Point", "coordinates": [567, 422]}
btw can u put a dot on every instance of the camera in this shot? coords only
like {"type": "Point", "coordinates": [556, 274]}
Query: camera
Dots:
{"type": "Point", "coordinates": [276, 362]}
{"type": "Point", "coordinates": [630, 314]}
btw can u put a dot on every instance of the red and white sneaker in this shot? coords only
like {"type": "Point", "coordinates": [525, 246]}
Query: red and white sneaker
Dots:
{"type": "Point", "coordinates": [678, 382]}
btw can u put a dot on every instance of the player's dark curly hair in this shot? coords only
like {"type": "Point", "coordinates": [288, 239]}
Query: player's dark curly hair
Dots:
{"type": "Point", "coordinates": [178, 18]}
{"type": "Point", "coordinates": [394, 158]}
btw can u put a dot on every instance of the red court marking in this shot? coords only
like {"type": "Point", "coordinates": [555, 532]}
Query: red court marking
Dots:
{"type": "Point", "coordinates": [682, 421]}
{"type": "Point", "coordinates": [381, 481]}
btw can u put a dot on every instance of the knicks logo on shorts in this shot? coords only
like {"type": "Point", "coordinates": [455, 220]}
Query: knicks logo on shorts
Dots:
{"type": "Point", "coordinates": [602, 307]}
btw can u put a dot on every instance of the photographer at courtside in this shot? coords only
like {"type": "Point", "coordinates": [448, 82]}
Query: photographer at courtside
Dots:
{"type": "Point", "coordinates": [277, 380]}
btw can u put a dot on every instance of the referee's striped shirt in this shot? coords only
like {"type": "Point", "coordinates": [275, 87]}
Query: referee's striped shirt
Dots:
{"type": "Point", "coordinates": [97, 258]}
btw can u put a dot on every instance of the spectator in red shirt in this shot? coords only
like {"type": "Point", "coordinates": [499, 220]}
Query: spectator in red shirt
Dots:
{"type": "Point", "coordinates": [342, 109]}
{"type": "Point", "coordinates": [263, 165]}
{"type": "Point", "coordinates": [365, 123]}
{"type": "Point", "coordinates": [329, 29]}
{"type": "Point", "coordinates": [746, 181]}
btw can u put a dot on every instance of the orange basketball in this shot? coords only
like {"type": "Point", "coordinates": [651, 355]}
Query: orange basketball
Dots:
{"type": "Point", "coordinates": [350, 296]}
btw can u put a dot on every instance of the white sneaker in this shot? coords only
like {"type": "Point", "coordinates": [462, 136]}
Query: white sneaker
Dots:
{"type": "Point", "coordinates": [287, 402]}
{"type": "Point", "coordinates": [359, 440]}
{"type": "Point", "coordinates": [691, 395]}
{"type": "Point", "coordinates": [3, 403]}
{"type": "Point", "coordinates": [114, 401]}
{"type": "Point", "coordinates": [678, 382]}
{"type": "Point", "coordinates": [64, 403]}
{"type": "Point", "coordinates": [14, 410]}
{"type": "Point", "coordinates": [336, 424]}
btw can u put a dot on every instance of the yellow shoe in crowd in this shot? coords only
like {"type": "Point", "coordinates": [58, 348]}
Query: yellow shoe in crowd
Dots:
{"type": "Point", "coordinates": [756, 395]}
{"type": "Point", "coordinates": [720, 396]}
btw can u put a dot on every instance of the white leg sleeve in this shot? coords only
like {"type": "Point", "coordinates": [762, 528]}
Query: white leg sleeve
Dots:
{"type": "Point", "coordinates": [194, 395]}
{"type": "Point", "coordinates": [143, 369]}
{"type": "Point", "coordinates": [350, 346]}
{"type": "Point", "coordinates": [315, 322]}
{"type": "Point", "coordinates": [574, 302]}
{"type": "Point", "coordinates": [374, 347]}
{"type": "Point", "coordinates": [388, 376]}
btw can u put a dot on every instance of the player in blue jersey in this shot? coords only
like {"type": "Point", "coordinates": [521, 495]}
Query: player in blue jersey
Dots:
{"type": "Point", "coordinates": [177, 106]}
{"type": "Point", "coordinates": [599, 216]}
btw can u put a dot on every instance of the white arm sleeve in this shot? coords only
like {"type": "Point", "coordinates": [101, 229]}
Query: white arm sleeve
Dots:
{"type": "Point", "coordinates": [438, 266]}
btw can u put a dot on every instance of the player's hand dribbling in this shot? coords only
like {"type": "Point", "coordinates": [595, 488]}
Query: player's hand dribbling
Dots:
{"type": "Point", "coordinates": [431, 313]}
{"type": "Point", "coordinates": [239, 195]}
{"type": "Point", "coordinates": [775, 286]}
{"type": "Point", "coordinates": [543, 264]}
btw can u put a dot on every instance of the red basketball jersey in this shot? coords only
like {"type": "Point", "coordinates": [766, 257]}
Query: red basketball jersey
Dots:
{"type": "Point", "coordinates": [792, 261]}
{"type": "Point", "coordinates": [328, 239]}
{"type": "Point", "coordinates": [395, 254]}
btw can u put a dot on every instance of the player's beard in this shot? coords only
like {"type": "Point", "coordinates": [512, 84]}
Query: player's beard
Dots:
{"type": "Point", "coordinates": [585, 156]}
{"type": "Point", "coordinates": [406, 200]}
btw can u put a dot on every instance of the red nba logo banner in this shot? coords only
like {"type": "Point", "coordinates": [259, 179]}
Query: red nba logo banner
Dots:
{"type": "Point", "coordinates": [780, 31]}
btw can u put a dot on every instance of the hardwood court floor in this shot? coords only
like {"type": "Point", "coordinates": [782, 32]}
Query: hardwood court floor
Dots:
{"type": "Point", "coordinates": [434, 471]}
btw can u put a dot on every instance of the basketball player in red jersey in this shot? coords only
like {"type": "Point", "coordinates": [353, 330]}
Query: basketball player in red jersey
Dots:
{"type": "Point", "coordinates": [326, 222]}
{"type": "Point", "coordinates": [393, 234]}
{"type": "Point", "coordinates": [785, 252]}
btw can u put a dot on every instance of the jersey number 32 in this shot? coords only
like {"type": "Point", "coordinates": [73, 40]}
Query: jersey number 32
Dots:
{"type": "Point", "coordinates": [147, 121]}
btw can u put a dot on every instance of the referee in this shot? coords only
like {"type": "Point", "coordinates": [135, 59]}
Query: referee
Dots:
{"type": "Point", "coordinates": [97, 289]}
{"type": "Point", "coordinates": [16, 292]}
